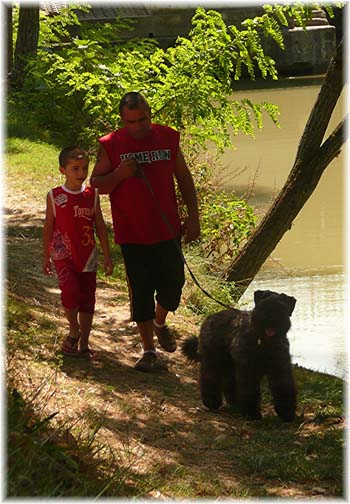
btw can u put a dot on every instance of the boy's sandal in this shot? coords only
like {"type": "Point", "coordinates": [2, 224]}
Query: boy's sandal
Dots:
{"type": "Point", "coordinates": [87, 353]}
{"type": "Point", "coordinates": [72, 349]}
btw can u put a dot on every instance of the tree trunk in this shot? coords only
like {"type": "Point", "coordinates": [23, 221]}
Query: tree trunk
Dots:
{"type": "Point", "coordinates": [9, 49]}
{"type": "Point", "coordinates": [26, 42]}
{"type": "Point", "coordinates": [312, 159]}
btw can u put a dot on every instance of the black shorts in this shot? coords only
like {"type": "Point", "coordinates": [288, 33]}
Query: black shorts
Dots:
{"type": "Point", "coordinates": [156, 269]}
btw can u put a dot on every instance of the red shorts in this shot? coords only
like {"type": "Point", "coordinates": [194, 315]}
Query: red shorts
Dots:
{"type": "Point", "coordinates": [77, 288]}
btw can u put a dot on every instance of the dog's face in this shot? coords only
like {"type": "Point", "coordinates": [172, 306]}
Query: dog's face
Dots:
{"type": "Point", "coordinates": [270, 316]}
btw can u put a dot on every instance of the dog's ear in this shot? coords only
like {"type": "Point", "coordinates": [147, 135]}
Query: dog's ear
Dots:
{"type": "Point", "coordinates": [290, 302]}
{"type": "Point", "coordinates": [260, 294]}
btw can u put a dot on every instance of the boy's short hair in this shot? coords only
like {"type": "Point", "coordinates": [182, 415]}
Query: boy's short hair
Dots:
{"type": "Point", "coordinates": [72, 152]}
{"type": "Point", "coordinates": [132, 100]}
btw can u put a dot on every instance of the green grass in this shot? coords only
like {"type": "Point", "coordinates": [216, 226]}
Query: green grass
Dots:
{"type": "Point", "coordinates": [22, 123]}
{"type": "Point", "coordinates": [316, 458]}
{"type": "Point", "coordinates": [313, 455]}
{"type": "Point", "coordinates": [25, 327]}
{"type": "Point", "coordinates": [33, 166]}
{"type": "Point", "coordinates": [49, 461]}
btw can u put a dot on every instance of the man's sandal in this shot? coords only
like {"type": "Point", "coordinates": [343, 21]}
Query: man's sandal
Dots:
{"type": "Point", "coordinates": [72, 348]}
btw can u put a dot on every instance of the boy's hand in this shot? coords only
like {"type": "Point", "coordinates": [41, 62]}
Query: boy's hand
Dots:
{"type": "Point", "coordinates": [108, 265]}
{"type": "Point", "coordinates": [47, 266]}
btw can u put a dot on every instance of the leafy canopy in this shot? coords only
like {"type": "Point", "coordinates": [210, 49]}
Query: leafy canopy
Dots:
{"type": "Point", "coordinates": [82, 71]}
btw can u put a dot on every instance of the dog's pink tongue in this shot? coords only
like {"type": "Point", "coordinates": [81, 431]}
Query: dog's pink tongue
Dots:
{"type": "Point", "coordinates": [270, 332]}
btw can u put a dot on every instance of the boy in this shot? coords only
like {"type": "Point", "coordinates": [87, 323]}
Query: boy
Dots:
{"type": "Point", "coordinates": [72, 212]}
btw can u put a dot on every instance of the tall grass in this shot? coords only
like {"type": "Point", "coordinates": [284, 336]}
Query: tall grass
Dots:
{"type": "Point", "coordinates": [57, 460]}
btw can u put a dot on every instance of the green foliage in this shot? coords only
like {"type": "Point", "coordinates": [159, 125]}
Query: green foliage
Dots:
{"type": "Point", "coordinates": [226, 222]}
{"type": "Point", "coordinates": [195, 300]}
{"type": "Point", "coordinates": [78, 82]}
{"type": "Point", "coordinates": [56, 29]}
{"type": "Point", "coordinates": [326, 393]}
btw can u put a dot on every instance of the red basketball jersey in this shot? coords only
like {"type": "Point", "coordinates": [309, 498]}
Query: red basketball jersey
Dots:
{"type": "Point", "coordinates": [73, 236]}
{"type": "Point", "coordinates": [135, 209]}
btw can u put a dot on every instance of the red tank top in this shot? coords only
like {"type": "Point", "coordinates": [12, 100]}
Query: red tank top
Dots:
{"type": "Point", "coordinates": [135, 210]}
{"type": "Point", "coordinates": [73, 236]}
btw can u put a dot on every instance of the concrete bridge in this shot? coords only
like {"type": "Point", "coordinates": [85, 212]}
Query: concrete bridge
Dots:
{"type": "Point", "coordinates": [306, 52]}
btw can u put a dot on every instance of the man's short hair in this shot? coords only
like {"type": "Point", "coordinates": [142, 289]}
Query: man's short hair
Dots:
{"type": "Point", "coordinates": [132, 100]}
{"type": "Point", "coordinates": [72, 152]}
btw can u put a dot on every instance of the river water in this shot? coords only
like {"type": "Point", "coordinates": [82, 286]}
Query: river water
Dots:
{"type": "Point", "coordinates": [308, 263]}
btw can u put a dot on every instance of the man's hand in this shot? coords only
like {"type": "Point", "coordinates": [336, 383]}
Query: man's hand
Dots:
{"type": "Point", "coordinates": [191, 229]}
{"type": "Point", "coordinates": [107, 177]}
{"type": "Point", "coordinates": [127, 168]}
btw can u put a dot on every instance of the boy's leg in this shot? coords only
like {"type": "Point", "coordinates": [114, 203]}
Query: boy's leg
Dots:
{"type": "Point", "coordinates": [85, 323]}
{"type": "Point", "coordinates": [69, 295]}
{"type": "Point", "coordinates": [72, 317]}
{"type": "Point", "coordinates": [87, 284]}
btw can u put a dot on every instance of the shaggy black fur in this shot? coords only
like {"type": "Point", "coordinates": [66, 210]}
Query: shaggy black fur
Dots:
{"type": "Point", "coordinates": [237, 348]}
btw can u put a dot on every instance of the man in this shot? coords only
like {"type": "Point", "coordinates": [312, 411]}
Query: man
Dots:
{"type": "Point", "coordinates": [136, 166]}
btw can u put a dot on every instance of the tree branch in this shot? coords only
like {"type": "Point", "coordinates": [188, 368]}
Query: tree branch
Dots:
{"type": "Point", "coordinates": [323, 108]}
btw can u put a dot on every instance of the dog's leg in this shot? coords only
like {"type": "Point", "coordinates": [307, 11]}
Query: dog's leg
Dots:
{"type": "Point", "coordinates": [283, 391]}
{"type": "Point", "coordinates": [210, 386]}
{"type": "Point", "coordinates": [229, 383]}
{"type": "Point", "coordinates": [229, 389]}
{"type": "Point", "coordinates": [248, 388]}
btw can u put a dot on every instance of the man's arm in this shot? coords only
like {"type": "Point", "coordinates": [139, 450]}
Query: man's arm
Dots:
{"type": "Point", "coordinates": [191, 228]}
{"type": "Point", "coordinates": [105, 177]}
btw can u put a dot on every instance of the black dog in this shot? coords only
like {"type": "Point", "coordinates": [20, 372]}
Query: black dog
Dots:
{"type": "Point", "coordinates": [237, 348]}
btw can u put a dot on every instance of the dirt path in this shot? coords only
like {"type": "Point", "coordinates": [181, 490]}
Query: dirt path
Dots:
{"type": "Point", "coordinates": [154, 423]}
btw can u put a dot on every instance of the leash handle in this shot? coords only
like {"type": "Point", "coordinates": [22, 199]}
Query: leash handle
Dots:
{"type": "Point", "coordinates": [141, 174]}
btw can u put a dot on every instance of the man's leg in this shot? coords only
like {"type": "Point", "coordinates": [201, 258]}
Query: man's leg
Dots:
{"type": "Point", "coordinates": [139, 261]}
{"type": "Point", "coordinates": [146, 333]}
{"type": "Point", "coordinates": [149, 361]}
{"type": "Point", "coordinates": [171, 279]}
{"type": "Point", "coordinates": [161, 315]}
